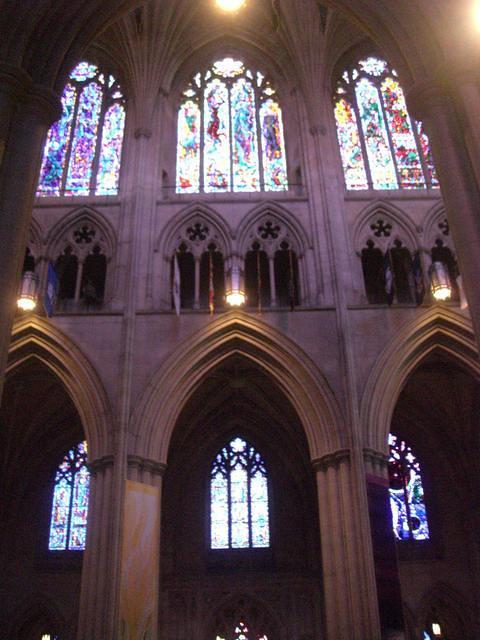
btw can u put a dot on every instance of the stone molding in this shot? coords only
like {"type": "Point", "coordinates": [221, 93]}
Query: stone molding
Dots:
{"type": "Point", "coordinates": [100, 464]}
{"type": "Point", "coordinates": [333, 459]}
{"type": "Point", "coordinates": [375, 457]}
{"type": "Point", "coordinates": [146, 464]}
{"type": "Point", "coordinates": [425, 96]}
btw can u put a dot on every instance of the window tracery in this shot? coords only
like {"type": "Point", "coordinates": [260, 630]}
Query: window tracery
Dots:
{"type": "Point", "coordinates": [230, 133]}
{"type": "Point", "coordinates": [381, 146]}
{"type": "Point", "coordinates": [239, 511]}
{"type": "Point", "coordinates": [68, 523]}
{"type": "Point", "coordinates": [407, 501]}
{"type": "Point", "coordinates": [82, 154]}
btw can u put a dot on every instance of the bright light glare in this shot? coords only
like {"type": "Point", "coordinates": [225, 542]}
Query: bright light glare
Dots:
{"type": "Point", "coordinates": [26, 304]}
{"type": "Point", "coordinates": [230, 5]}
{"type": "Point", "coordinates": [442, 293]}
{"type": "Point", "coordinates": [437, 631]}
{"type": "Point", "coordinates": [235, 298]}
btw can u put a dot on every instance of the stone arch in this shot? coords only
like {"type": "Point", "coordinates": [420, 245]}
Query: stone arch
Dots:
{"type": "Point", "coordinates": [436, 227]}
{"type": "Point", "coordinates": [439, 329]}
{"type": "Point", "coordinates": [61, 231]}
{"type": "Point", "coordinates": [171, 235]}
{"type": "Point", "coordinates": [253, 608]}
{"type": "Point", "coordinates": [402, 227]}
{"type": "Point", "coordinates": [451, 609]}
{"type": "Point", "coordinates": [155, 416]}
{"type": "Point", "coordinates": [292, 229]}
{"type": "Point", "coordinates": [35, 239]}
{"type": "Point", "coordinates": [33, 337]}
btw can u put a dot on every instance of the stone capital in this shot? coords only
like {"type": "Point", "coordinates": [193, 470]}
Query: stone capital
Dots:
{"type": "Point", "coordinates": [145, 464]}
{"type": "Point", "coordinates": [42, 102]}
{"type": "Point", "coordinates": [100, 464]}
{"type": "Point", "coordinates": [333, 459]}
{"type": "Point", "coordinates": [375, 457]}
{"type": "Point", "coordinates": [13, 80]}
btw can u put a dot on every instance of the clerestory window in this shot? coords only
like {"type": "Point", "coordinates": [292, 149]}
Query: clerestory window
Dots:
{"type": "Point", "coordinates": [82, 154]}
{"type": "Point", "coordinates": [381, 146]}
{"type": "Point", "coordinates": [239, 513]}
{"type": "Point", "coordinates": [230, 133]}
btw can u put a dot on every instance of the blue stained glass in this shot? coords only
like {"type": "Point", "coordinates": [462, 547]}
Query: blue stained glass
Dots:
{"type": "Point", "coordinates": [244, 126]}
{"type": "Point", "coordinates": [83, 71]}
{"type": "Point", "coordinates": [55, 150]}
{"type": "Point", "coordinates": [407, 502]}
{"type": "Point", "coordinates": [188, 148]}
{"type": "Point", "coordinates": [68, 524]}
{"type": "Point", "coordinates": [111, 151]}
{"type": "Point", "coordinates": [84, 141]}
{"type": "Point", "coordinates": [239, 516]}
{"type": "Point", "coordinates": [274, 162]}
{"type": "Point", "coordinates": [217, 138]}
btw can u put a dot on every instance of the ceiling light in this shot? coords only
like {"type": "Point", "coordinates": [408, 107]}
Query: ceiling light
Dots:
{"type": "Point", "coordinates": [230, 5]}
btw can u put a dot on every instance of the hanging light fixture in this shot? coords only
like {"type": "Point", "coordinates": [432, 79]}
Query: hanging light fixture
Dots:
{"type": "Point", "coordinates": [27, 298]}
{"type": "Point", "coordinates": [440, 282]}
{"type": "Point", "coordinates": [230, 6]}
{"type": "Point", "coordinates": [235, 293]}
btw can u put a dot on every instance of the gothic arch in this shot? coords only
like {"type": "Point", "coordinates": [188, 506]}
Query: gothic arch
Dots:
{"type": "Point", "coordinates": [293, 230]}
{"type": "Point", "coordinates": [33, 337]}
{"type": "Point", "coordinates": [36, 607]}
{"type": "Point", "coordinates": [155, 416]}
{"type": "Point", "coordinates": [402, 227]}
{"type": "Point", "coordinates": [35, 239]}
{"type": "Point", "coordinates": [170, 236]}
{"type": "Point", "coordinates": [434, 227]}
{"type": "Point", "coordinates": [60, 231]}
{"type": "Point", "coordinates": [451, 608]}
{"type": "Point", "coordinates": [233, 608]}
{"type": "Point", "coordinates": [438, 329]}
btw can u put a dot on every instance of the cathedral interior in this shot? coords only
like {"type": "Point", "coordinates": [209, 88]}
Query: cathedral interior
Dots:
{"type": "Point", "coordinates": [240, 319]}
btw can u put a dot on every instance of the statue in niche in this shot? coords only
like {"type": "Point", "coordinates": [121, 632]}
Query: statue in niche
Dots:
{"type": "Point", "coordinates": [402, 272]}
{"type": "Point", "coordinates": [373, 273]}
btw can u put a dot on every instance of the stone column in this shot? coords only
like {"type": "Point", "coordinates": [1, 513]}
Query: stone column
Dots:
{"type": "Point", "coordinates": [351, 608]}
{"type": "Point", "coordinates": [97, 595]}
{"type": "Point", "coordinates": [431, 103]}
{"type": "Point", "coordinates": [27, 112]}
{"type": "Point", "coordinates": [384, 552]}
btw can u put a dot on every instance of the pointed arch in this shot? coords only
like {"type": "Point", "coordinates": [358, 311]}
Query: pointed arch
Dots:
{"type": "Point", "coordinates": [80, 215]}
{"type": "Point", "coordinates": [439, 329]}
{"type": "Point", "coordinates": [449, 607]}
{"type": "Point", "coordinates": [253, 610]}
{"type": "Point", "coordinates": [33, 337]}
{"type": "Point", "coordinates": [403, 226]}
{"type": "Point", "coordinates": [35, 609]}
{"type": "Point", "coordinates": [155, 416]}
{"type": "Point", "coordinates": [435, 217]}
{"type": "Point", "coordinates": [165, 244]}
{"type": "Point", "coordinates": [293, 228]}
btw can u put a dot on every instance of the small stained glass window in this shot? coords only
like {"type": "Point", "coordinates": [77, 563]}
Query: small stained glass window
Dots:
{"type": "Point", "coordinates": [68, 524]}
{"type": "Point", "coordinates": [230, 133]}
{"type": "Point", "coordinates": [381, 146]}
{"type": "Point", "coordinates": [407, 501]}
{"type": "Point", "coordinates": [239, 515]}
{"type": "Point", "coordinates": [83, 150]}
{"type": "Point", "coordinates": [242, 632]}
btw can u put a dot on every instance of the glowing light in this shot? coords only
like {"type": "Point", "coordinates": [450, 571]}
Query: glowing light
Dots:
{"type": "Point", "coordinates": [230, 5]}
{"type": "Point", "coordinates": [235, 294]}
{"type": "Point", "coordinates": [440, 282]}
{"type": "Point", "coordinates": [27, 299]}
{"type": "Point", "coordinates": [235, 298]}
{"type": "Point", "coordinates": [437, 630]}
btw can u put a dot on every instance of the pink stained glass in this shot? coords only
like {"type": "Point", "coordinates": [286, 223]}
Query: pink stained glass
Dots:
{"type": "Point", "coordinates": [111, 151]}
{"type": "Point", "coordinates": [382, 167]}
{"type": "Point", "coordinates": [350, 146]}
{"type": "Point", "coordinates": [55, 151]}
{"type": "Point", "coordinates": [409, 166]}
{"type": "Point", "coordinates": [274, 160]}
{"type": "Point", "coordinates": [68, 522]}
{"type": "Point", "coordinates": [84, 141]}
{"type": "Point", "coordinates": [427, 155]}
{"type": "Point", "coordinates": [188, 148]}
{"type": "Point", "coordinates": [244, 135]}
{"type": "Point", "coordinates": [216, 138]}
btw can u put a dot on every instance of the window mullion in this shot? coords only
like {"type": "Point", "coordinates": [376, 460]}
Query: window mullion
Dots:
{"type": "Point", "coordinates": [230, 134]}
{"type": "Point", "coordinates": [389, 136]}
{"type": "Point", "coordinates": [68, 154]}
{"type": "Point", "coordinates": [261, 171]}
{"type": "Point", "coordinates": [202, 139]}
{"type": "Point", "coordinates": [98, 143]}
{"type": "Point", "coordinates": [361, 135]}
{"type": "Point", "coordinates": [70, 505]}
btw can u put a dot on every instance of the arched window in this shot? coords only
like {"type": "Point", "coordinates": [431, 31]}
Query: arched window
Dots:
{"type": "Point", "coordinates": [407, 503]}
{"type": "Point", "coordinates": [239, 498]}
{"type": "Point", "coordinates": [242, 632]}
{"type": "Point", "coordinates": [230, 133]}
{"type": "Point", "coordinates": [83, 151]}
{"type": "Point", "coordinates": [68, 524]}
{"type": "Point", "coordinates": [381, 146]}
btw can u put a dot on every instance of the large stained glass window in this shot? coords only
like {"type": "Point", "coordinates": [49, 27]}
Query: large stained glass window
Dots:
{"type": "Point", "coordinates": [407, 502]}
{"type": "Point", "coordinates": [230, 133]}
{"type": "Point", "coordinates": [381, 146]}
{"type": "Point", "coordinates": [83, 150]}
{"type": "Point", "coordinates": [68, 524]}
{"type": "Point", "coordinates": [239, 498]}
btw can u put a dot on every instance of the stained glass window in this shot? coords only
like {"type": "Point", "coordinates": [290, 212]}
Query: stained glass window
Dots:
{"type": "Point", "coordinates": [407, 502]}
{"type": "Point", "coordinates": [239, 498]}
{"type": "Point", "coordinates": [242, 632]}
{"type": "Point", "coordinates": [83, 150]}
{"type": "Point", "coordinates": [68, 524]}
{"type": "Point", "coordinates": [230, 133]}
{"type": "Point", "coordinates": [381, 146]}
